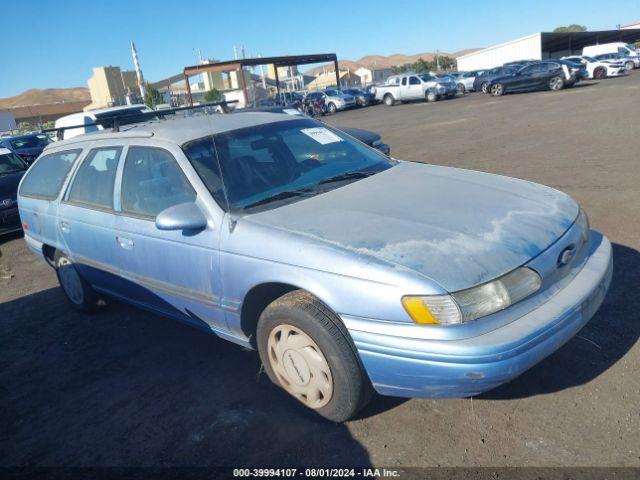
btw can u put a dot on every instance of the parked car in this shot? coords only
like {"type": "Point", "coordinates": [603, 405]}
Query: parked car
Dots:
{"type": "Point", "coordinates": [28, 146]}
{"type": "Point", "coordinates": [621, 48]}
{"type": "Point", "coordinates": [465, 80]}
{"type": "Point", "coordinates": [12, 168]}
{"type": "Point", "coordinates": [521, 62]}
{"type": "Point", "coordinates": [95, 120]}
{"type": "Point", "coordinates": [598, 69]}
{"type": "Point", "coordinates": [481, 82]}
{"type": "Point", "coordinates": [345, 269]}
{"type": "Point", "coordinates": [629, 62]}
{"type": "Point", "coordinates": [554, 75]}
{"type": "Point", "coordinates": [415, 86]}
{"type": "Point", "coordinates": [363, 98]}
{"type": "Point", "coordinates": [337, 100]}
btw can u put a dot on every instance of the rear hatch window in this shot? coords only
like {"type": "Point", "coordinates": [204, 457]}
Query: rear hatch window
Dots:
{"type": "Point", "coordinates": [45, 178]}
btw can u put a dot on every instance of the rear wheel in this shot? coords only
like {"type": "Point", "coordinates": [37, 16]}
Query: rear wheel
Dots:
{"type": "Point", "coordinates": [600, 72]}
{"type": "Point", "coordinates": [460, 89]}
{"type": "Point", "coordinates": [77, 290]}
{"type": "Point", "coordinates": [497, 89]}
{"type": "Point", "coordinates": [306, 350]}
{"type": "Point", "coordinates": [389, 101]}
{"type": "Point", "coordinates": [556, 83]}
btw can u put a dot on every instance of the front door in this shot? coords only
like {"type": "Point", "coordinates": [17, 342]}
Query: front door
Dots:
{"type": "Point", "coordinates": [175, 272]}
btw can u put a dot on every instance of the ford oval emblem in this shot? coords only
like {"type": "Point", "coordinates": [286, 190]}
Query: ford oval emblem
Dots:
{"type": "Point", "coordinates": [566, 255]}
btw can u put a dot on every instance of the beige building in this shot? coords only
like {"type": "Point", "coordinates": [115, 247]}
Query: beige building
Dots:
{"type": "Point", "coordinates": [109, 86]}
{"type": "Point", "coordinates": [348, 78]}
{"type": "Point", "coordinates": [283, 72]}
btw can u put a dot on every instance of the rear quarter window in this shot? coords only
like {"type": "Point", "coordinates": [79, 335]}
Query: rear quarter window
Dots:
{"type": "Point", "coordinates": [45, 178]}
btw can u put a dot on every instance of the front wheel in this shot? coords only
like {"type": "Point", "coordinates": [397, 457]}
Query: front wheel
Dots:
{"type": "Point", "coordinates": [77, 290]}
{"type": "Point", "coordinates": [497, 89]}
{"type": "Point", "coordinates": [460, 89]}
{"type": "Point", "coordinates": [599, 72]}
{"type": "Point", "coordinates": [306, 350]}
{"type": "Point", "coordinates": [556, 83]}
{"type": "Point", "coordinates": [331, 108]}
{"type": "Point", "coordinates": [485, 87]}
{"type": "Point", "coordinates": [628, 66]}
{"type": "Point", "coordinates": [431, 96]}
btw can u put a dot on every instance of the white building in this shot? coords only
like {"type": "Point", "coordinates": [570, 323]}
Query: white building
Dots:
{"type": "Point", "coordinates": [7, 121]}
{"type": "Point", "coordinates": [542, 45]}
{"type": "Point", "coordinates": [373, 75]}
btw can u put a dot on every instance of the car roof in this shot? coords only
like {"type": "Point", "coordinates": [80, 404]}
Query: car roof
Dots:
{"type": "Point", "coordinates": [182, 128]}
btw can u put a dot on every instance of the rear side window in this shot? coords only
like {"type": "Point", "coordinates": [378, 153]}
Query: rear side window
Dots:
{"type": "Point", "coordinates": [153, 181]}
{"type": "Point", "coordinates": [45, 178]}
{"type": "Point", "coordinates": [93, 184]}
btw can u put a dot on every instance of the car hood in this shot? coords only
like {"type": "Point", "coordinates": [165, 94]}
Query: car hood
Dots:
{"type": "Point", "coordinates": [9, 185]}
{"type": "Point", "coordinates": [457, 227]}
{"type": "Point", "coordinates": [365, 136]}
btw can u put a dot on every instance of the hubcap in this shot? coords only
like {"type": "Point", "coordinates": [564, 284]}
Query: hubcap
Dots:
{"type": "Point", "coordinates": [70, 281]}
{"type": "Point", "coordinates": [555, 83]}
{"type": "Point", "coordinates": [300, 366]}
{"type": "Point", "coordinates": [484, 88]}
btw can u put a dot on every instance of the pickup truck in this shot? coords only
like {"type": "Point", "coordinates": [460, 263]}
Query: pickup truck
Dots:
{"type": "Point", "coordinates": [415, 86]}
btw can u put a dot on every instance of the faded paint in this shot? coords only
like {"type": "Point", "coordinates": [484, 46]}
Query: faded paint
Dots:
{"type": "Point", "coordinates": [457, 227]}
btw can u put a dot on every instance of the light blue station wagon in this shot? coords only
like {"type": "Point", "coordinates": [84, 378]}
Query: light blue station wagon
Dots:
{"type": "Point", "coordinates": [348, 271]}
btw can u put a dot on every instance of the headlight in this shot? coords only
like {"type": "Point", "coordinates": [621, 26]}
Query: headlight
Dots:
{"type": "Point", "coordinates": [583, 222]}
{"type": "Point", "coordinates": [473, 303]}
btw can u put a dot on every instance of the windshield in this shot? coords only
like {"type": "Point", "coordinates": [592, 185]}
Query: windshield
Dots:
{"type": "Point", "coordinates": [35, 141]}
{"type": "Point", "coordinates": [10, 162]}
{"type": "Point", "coordinates": [265, 164]}
{"type": "Point", "coordinates": [427, 77]}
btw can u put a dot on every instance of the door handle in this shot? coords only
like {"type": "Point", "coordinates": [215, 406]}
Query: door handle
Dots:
{"type": "Point", "coordinates": [64, 226]}
{"type": "Point", "coordinates": [125, 243]}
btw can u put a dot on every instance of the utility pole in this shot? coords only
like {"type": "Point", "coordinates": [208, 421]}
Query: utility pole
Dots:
{"type": "Point", "coordinates": [136, 64]}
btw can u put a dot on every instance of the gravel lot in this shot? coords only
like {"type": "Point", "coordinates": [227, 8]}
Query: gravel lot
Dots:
{"type": "Point", "coordinates": [129, 388]}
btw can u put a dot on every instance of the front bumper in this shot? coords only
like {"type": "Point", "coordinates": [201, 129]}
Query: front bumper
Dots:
{"type": "Point", "coordinates": [407, 367]}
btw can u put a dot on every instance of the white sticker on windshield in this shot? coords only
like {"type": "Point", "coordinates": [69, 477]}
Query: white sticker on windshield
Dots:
{"type": "Point", "coordinates": [292, 111]}
{"type": "Point", "coordinates": [321, 135]}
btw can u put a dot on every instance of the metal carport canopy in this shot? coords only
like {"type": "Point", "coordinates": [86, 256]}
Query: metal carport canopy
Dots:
{"type": "Point", "coordinates": [237, 65]}
{"type": "Point", "coordinates": [556, 44]}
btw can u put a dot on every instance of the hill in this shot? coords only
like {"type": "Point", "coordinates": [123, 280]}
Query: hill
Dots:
{"type": "Point", "coordinates": [380, 61]}
{"type": "Point", "coordinates": [46, 97]}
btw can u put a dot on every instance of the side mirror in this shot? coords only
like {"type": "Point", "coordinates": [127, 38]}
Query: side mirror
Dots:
{"type": "Point", "coordinates": [184, 216]}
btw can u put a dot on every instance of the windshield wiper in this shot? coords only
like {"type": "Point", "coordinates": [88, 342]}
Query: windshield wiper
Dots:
{"type": "Point", "coordinates": [345, 176]}
{"type": "Point", "coordinates": [279, 196]}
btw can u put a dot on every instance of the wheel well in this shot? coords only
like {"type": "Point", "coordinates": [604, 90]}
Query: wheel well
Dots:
{"type": "Point", "coordinates": [255, 301]}
{"type": "Point", "coordinates": [387, 95]}
{"type": "Point", "coordinates": [49, 252]}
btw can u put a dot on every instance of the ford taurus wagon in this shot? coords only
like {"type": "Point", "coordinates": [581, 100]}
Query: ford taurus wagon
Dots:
{"type": "Point", "coordinates": [348, 271]}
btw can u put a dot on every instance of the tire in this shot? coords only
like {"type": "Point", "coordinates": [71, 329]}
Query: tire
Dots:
{"type": "Point", "coordinates": [629, 66]}
{"type": "Point", "coordinates": [497, 90]}
{"type": "Point", "coordinates": [388, 100]}
{"type": "Point", "coordinates": [600, 72]}
{"type": "Point", "coordinates": [460, 89]}
{"type": "Point", "coordinates": [431, 96]}
{"type": "Point", "coordinates": [556, 83]}
{"type": "Point", "coordinates": [306, 350]}
{"type": "Point", "coordinates": [484, 88]}
{"type": "Point", "coordinates": [331, 108]}
{"type": "Point", "coordinates": [77, 290]}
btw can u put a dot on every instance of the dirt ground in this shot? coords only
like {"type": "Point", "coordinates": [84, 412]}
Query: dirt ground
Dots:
{"type": "Point", "coordinates": [128, 388]}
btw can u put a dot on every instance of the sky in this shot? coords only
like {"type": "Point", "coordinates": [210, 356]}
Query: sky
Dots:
{"type": "Point", "coordinates": [56, 43]}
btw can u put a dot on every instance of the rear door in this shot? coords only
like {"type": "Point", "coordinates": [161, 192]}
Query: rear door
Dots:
{"type": "Point", "coordinates": [174, 272]}
{"type": "Point", "coordinates": [86, 217]}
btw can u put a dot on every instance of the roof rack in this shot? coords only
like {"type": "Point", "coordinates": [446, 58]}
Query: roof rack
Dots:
{"type": "Point", "coordinates": [115, 121]}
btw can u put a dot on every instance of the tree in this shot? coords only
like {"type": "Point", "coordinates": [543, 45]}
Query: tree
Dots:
{"type": "Point", "coordinates": [421, 65]}
{"type": "Point", "coordinates": [571, 28]}
{"type": "Point", "coordinates": [152, 97]}
{"type": "Point", "coordinates": [213, 95]}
